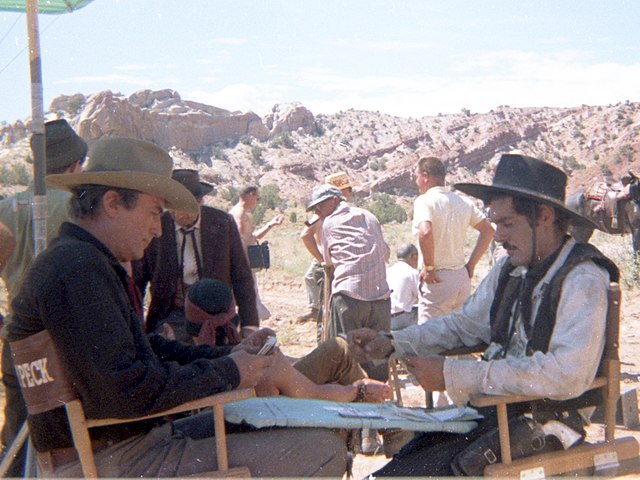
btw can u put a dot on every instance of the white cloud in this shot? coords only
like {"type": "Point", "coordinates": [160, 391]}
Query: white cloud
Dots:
{"type": "Point", "coordinates": [258, 98]}
{"type": "Point", "coordinates": [481, 83]}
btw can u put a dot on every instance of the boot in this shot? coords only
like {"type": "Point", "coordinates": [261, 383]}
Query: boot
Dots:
{"type": "Point", "coordinates": [310, 315]}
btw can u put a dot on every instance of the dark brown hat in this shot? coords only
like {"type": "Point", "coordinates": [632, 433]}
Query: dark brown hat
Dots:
{"type": "Point", "coordinates": [191, 180]}
{"type": "Point", "coordinates": [522, 176]}
{"type": "Point", "coordinates": [63, 145]}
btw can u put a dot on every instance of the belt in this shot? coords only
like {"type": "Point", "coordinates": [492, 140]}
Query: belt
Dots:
{"type": "Point", "coordinates": [398, 313]}
{"type": "Point", "coordinates": [57, 457]}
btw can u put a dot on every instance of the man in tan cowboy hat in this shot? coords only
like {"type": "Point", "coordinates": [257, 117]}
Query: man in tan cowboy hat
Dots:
{"type": "Point", "coordinates": [79, 292]}
{"type": "Point", "coordinates": [541, 309]}
{"type": "Point", "coordinates": [65, 152]}
{"type": "Point", "coordinates": [195, 246]}
{"type": "Point", "coordinates": [310, 236]}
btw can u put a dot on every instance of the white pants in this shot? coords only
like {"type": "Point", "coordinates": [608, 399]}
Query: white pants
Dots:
{"type": "Point", "coordinates": [436, 299]}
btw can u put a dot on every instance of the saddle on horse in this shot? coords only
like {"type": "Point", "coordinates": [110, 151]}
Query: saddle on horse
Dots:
{"type": "Point", "coordinates": [606, 206]}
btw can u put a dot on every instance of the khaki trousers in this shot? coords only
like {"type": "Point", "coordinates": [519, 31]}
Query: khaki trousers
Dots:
{"type": "Point", "coordinates": [330, 362]}
{"type": "Point", "coordinates": [186, 447]}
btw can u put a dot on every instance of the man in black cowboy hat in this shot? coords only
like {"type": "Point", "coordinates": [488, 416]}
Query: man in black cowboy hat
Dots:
{"type": "Point", "coordinates": [541, 309]}
{"type": "Point", "coordinates": [205, 244]}
{"type": "Point", "coordinates": [65, 153]}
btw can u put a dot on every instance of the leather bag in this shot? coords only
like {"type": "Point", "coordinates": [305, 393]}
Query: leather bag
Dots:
{"type": "Point", "coordinates": [259, 255]}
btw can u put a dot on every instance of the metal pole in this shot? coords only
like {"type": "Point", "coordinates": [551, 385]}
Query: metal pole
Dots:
{"type": "Point", "coordinates": [37, 127]}
{"type": "Point", "coordinates": [39, 206]}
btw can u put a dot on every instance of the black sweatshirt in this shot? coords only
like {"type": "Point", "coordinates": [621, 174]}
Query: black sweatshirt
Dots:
{"type": "Point", "coordinates": [76, 290]}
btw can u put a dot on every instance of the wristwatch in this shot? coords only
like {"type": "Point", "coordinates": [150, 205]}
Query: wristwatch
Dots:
{"type": "Point", "coordinates": [430, 268]}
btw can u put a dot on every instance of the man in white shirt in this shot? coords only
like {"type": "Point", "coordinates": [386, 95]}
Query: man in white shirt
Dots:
{"type": "Point", "coordinates": [403, 280]}
{"type": "Point", "coordinates": [440, 221]}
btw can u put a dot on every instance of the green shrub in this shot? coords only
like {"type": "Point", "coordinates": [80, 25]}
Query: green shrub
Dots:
{"type": "Point", "coordinates": [218, 153]}
{"type": "Point", "coordinates": [270, 197]}
{"type": "Point", "coordinates": [256, 154]}
{"type": "Point", "coordinates": [384, 207]}
{"type": "Point", "coordinates": [376, 164]}
{"type": "Point", "coordinates": [230, 194]}
{"type": "Point", "coordinates": [75, 104]}
{"type": "Point", "coordinates": [257, 216]}
{"type": "Point", "coordinates": [283, 139]}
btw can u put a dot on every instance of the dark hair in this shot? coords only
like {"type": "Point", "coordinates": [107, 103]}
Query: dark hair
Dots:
{"type": "Point", "coordinates": [53, 170]}
{"type": "Point", "coordinates": [525, 206]}
{"type": "Point", "coordinates": [406, 250]}
{"type": "Point", "coordinates": [432, 166]}
{"type": "Point", "coordinates": [85, 200]}
{"type": "Point", "coordinates": [212, 296]}
{"type": "Point", "coordinates": [247, 190]}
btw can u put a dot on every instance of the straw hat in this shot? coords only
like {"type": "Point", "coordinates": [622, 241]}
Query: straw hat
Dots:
{"type": "Point", "coordinates": [133, 164]}
{"type": "Point", "coordinates": [340, 180]}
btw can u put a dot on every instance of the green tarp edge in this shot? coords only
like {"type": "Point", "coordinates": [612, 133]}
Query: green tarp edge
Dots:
{"type": "Point", "coordinates": [44, 6]}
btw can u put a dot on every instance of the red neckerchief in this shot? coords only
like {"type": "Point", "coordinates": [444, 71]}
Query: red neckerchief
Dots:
{"type": "Point", "coordinates": [211, 322]}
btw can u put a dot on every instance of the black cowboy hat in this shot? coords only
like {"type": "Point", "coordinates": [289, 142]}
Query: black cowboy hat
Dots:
{"type": "Point", "coordinates": [191, 180]}
{"type": "Point", "coordinates": [528, 177]}
{"type": "Point", "coordinates": [64, 146]}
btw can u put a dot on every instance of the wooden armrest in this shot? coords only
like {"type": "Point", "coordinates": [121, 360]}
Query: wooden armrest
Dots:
{"type": "Point", "coordinates": [210, 401]}
{"type": "Point", "coordinates": [482, 400]}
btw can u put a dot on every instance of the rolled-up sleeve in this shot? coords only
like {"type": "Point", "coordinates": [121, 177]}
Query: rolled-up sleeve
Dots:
{"type": "Point", "coordinates": [466, 327]}
{"type": "Point", "coordinates": [568, 367]}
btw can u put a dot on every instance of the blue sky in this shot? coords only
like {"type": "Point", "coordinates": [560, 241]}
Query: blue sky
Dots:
{"type": "Point", "coordinates": [406, 58]}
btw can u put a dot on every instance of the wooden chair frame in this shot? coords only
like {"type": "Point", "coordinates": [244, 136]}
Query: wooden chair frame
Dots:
{"type": "Point", "coordinates": [80, 426]}
{"type": "Point", "coordinates": [604, 454]}
{"type": "Point", "coordinates": [54, 390]}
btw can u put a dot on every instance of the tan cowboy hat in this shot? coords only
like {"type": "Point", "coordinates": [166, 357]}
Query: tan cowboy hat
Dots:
{"type": "Point", "coordinates": [133, 164]}
{"type": "Point", "coordinates": [340, 180]}
{"type": "Point", "coordinates": [528, 177]}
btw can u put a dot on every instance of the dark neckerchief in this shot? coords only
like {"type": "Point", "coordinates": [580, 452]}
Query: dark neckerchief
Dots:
{"type": "Point", "coordinates": [517, 301]}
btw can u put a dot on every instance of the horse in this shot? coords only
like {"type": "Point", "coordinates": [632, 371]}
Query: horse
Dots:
{"type": "Point", "coordinates": [615, 209]}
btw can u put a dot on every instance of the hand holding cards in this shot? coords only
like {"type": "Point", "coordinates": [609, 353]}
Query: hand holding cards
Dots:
{"type": "Point", "coordinates": [268, 346]}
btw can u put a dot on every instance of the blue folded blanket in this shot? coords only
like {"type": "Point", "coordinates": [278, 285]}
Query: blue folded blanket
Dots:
{"type": "Point", "coordinates": [301, 412]}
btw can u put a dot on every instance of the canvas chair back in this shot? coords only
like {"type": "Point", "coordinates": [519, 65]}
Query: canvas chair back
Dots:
{"type": "Point", "coordinates": [40, 373]}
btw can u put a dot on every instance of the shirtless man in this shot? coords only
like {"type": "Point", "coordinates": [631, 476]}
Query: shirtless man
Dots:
{"type": "Point", "coordinates": [249, 198]}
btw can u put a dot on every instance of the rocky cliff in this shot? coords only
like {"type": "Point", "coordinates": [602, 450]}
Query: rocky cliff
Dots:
{"type": "Point", "coordinates": [295, 149]}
